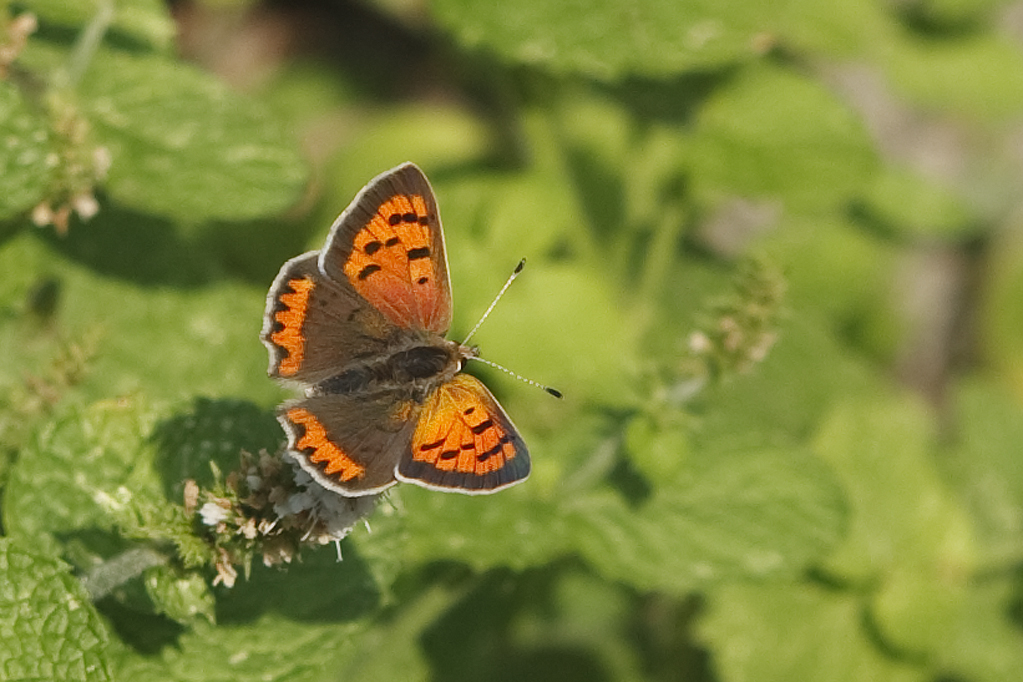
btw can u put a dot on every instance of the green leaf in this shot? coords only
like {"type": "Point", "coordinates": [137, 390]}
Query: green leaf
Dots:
{"type": "Point", "coordinates": [172, 342]}
{"type": "Point", "coordinates": [95, 456]}
{"type": "Point", "coordinates": [211, 431]}
{"type": "Point", "coordinates": [163, 341]}
{"type": "Point", "coordinates": [390, 652]}
{"type": "Point", "coordinates": [515, 528]}
{"type": "Point", "coordinates": [557, 622]}
{"type": "Point", "coordinates": [913, 207]}
{"type": "Point", "coordinates": [961, 625]}
{"type": "Point", "coordinates": [902, 515]}
{"type": "Point", "coordinates": [978, 74]}
{"type": "Point", "coordinates": [48, 628]}
{"type": "Point", "coordinates": [984, 466]}
{"type": "Point", "coordinates": [302, 623]}
{"type": "Point", "coordinates": [116, 471]}
{"type": "Point", "coordinates": [272, 649]}
{"type": "Point", "coordinates": [983, 642]}
{"type": "Point", "coordinates": [24, 147]}
{"type": "Point", "coordinates": [555, 313]}
{"type": "Point", "coordinates": [659, 449]}
{"type": "Point", "coordinates": [319, 588]}
{"type": "Point", "coordinates": [147, 21]}
{"type": "Point", "coordinates": [820, 257]}
{"type": "Point", "coordinates": [771, 133]}
{"type": "Point", "coordinates": [954, 13]}
{"type": "Point", "coordinates": [184, 146]}
{"type": "Point", "coordinates": [751, 514]}
{"type": "Point", "coordinates": [183, 597]}
{"type": "Point", "coordinates": [782, 399]}
{"type": "Point", "coordinates": [607, 39]}
{"type": "Point", "coordinates": [487, 219]}
{"type": "Point", "coordinates": [437, 137]}
{"type": "Point", "coordinates": [834, 28]}
{"type": "Point", "coordinates": [780, 633]}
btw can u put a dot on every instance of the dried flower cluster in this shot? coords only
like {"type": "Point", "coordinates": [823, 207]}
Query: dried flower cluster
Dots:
{"type": "Point", "coordinates": [271, 507]}
{"type": "Point", "coordinates": [736, 332]}
{"type": "Point", "coordinates": [78, 167]}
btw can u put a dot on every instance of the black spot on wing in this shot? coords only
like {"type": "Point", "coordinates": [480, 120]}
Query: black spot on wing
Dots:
{"type": "Point", "coordinates": [484, 456]}
{"type": "Point", "coordinates": [369, 270]}
{"type": "Point", "coordinates": [482, 426]}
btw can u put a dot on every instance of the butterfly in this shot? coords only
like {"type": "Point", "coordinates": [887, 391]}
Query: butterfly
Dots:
{"type": "Point", "coordinates": [360, 325]}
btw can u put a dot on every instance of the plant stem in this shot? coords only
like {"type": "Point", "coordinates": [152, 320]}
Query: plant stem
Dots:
{"type": "Point", "coordinates": [111, 574]}
{"type": "Point", "coordinates": [659, 259]}
{"type": "Point", "coordinates": [88, 41]}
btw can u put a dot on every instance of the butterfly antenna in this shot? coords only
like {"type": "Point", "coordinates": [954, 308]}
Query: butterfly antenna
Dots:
{"type": "Point", "coordinates": [553, 391]}
{"type": "Point", "coordinates": [511, 278]}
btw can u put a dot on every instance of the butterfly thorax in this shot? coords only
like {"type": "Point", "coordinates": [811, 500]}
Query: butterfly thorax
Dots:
{"type": "Point", "coordinates": [416, 369]}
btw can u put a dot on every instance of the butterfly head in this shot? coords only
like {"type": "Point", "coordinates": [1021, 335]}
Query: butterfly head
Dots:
{"type": "Point", "coordinates": [467, 353]}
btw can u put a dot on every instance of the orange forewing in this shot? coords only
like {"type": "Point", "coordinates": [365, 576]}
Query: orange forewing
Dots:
{"type": "Point", "coordinates": [392, 263]}
{"type": "Point", "coordinates": [389, 246]}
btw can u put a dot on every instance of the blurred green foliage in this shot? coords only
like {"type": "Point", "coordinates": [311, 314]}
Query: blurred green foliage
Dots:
{"type": "Point", "coordinates": [775, 265]}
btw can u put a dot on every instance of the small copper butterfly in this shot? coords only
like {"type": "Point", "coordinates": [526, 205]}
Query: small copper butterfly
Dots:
{"type": "Point", "coordinates": [360, 326]}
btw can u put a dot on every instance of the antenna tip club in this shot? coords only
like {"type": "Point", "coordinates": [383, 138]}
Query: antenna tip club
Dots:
{"type": "Point", "coordinates": [553, 391]}
{"type": "Point", "coordinates": [518, 268]}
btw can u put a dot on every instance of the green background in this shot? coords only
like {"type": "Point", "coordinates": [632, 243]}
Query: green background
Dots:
{"type": "Point", "coordinates": [775, 266]}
